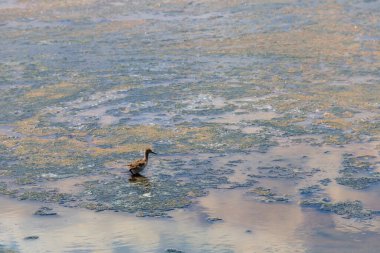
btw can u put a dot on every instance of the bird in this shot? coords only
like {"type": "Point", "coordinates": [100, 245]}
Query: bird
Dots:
{"type": "Point", "coordinates": [139, 165]}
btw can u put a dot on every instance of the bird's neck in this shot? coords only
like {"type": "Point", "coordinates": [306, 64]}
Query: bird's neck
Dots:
{"type": "Point", "coordinates": [146, 156]}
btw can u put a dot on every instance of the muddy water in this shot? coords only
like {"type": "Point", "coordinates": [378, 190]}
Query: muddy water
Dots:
{"type": "Point", "coordinates": [265, 116]}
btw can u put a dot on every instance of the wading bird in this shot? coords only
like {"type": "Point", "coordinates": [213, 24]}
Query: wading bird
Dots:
{"type": "Point", "coordinates": [137, 166]}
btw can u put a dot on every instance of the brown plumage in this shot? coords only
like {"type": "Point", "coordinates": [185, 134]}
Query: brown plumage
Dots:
{"type": "Point", "coordinates": [137, 166]}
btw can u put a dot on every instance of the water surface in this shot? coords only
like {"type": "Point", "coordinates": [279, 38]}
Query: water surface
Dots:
{"type": "Point", "coordinates": [265, 115]}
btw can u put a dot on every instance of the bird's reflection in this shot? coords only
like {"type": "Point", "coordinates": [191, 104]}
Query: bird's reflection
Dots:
{"type": "Point", "coordinates": [139, 179]}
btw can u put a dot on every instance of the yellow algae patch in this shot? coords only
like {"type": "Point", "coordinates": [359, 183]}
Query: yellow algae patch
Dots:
{"type": "Point", "coordinates": [200, 134]}
{"type": "Point", "coordinates": [218, 3]}
{"type": "Point", "coordinates": [53, 4]}
{"type": "Point", "coordinates": [324, 97]}
{"type": "Point", "coordinates": [288, 103]}
{"type": "Point", "coordinates": [60, 152]}
{"type": "Point", "coordinates": [105, 28]}
{"type": "Point", "coordinates": [137, 138]}
{"type": "Point", "coordinates": [123, 87]}
{"type": "Point", "coordinates": [4, 140]}
{"type": "Point", "coordinates": [357, 96]}
{"type": "Point", "coordinates": [118, 26]}
{"type": "Point", "coordinates": [39, 152]}
{"type": "Point", "coordinates": [332, 139]}
{"type": "Point", "coordinates": [54, 91]}
{"type": "Point", "coordinates": [329, 17]}
{"type": "Point", "coordinates": [29, 125]}
{"type": "Point", "coordinates": [328, 37]}
{"type": "Point", "coordinates": [42, 9]}
{"type": "Point", "coordinates": [371, 127]}
{"type": "Point", "coordinates": [116, 164]}
{"type": "Point", "coordinates": [33, 126]}
{"type": "Point", "coordinates": [119, 149]}
{"type": "Point", "coordinates": [117, 135]}
{"type": "Point", "coordinates": [298, 43]}
{"type": "Point", "coordinates": [336, 123]}
{"type": "Point", "coordinates": [346, 114]}
{"type": "Point", "coordinates": [340, 139]}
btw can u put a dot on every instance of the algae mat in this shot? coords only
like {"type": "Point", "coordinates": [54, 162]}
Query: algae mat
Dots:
{"type": "Point", "coordinates": [254, 96]}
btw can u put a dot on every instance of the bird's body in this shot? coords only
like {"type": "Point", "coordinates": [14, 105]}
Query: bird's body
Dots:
{"type": "Point", "coordinates": [139, 165]}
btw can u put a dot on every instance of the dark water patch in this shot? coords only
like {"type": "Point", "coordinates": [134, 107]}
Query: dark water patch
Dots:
{"type": "Point", "coordinates": [32, 237]}
{"type": "Point", "coordinates": [214, 219]}
{"type": "Point", "coordinates": [171, 250]}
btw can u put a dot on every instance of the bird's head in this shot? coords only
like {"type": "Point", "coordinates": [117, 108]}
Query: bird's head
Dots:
{"type": "Point", "coordinates": [148, 151]}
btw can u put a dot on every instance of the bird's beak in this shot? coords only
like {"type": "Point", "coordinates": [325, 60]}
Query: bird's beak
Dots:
{"type": "Point", "coordinates": [154, 153]}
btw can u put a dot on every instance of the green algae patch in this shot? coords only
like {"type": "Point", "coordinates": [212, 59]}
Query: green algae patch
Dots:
{"type": "Point", "coordinates": [45, 211]}
{"type": "Point", "coordinates": [25, 181]}
{"type": "Point", "coordinates": [152, 198]}
{"type": "Point", "coordinates": [266, 195]}
{"type": "Point", "coordinates": [280, 172]}
{"type": "Point", "coordinates": [46, 196]}
{"type": "Point", "coordinates": [359, 183]}
{"type": "Point", "coordinates": [370, 128]}
{"type": "Point", "coordinates": [358, 172]}
{"type": "Point", "coordinates": [346, 209]}
{"type": "Point", "coordinates": [339, 139]}
{"type": "Point", "coordinates": [173, 184]}
{"type": "Point", "coordinates": [325, 181]}
{"type": "Point", "coordinates": [286, 126]}
{"type": "Point", "coordinates": [53, 92]}
{"type": "Point", "coordinates": [309, 190]}
{"type": "Point", "coordinates": [326, 110]}
{"type": "Point", "coordinates": [5, 191]}
{"type": "Point", "coordinates": [261, 191]}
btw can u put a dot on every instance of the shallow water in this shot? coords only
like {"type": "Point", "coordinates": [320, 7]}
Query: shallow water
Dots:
{"type": "Point", "coordinates": [265, 114]}
{"type": "Point", "coordinates": [252, 227]}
